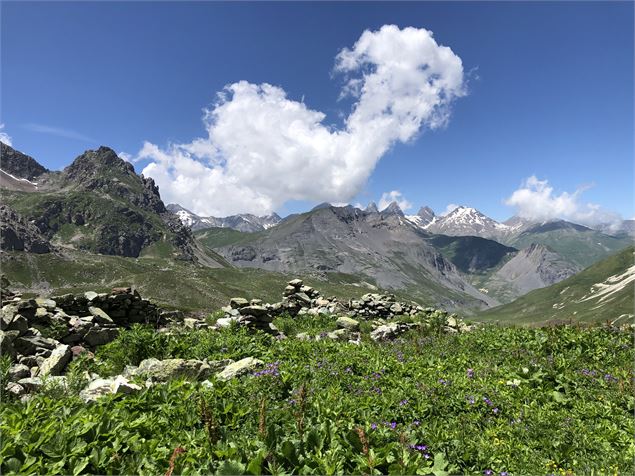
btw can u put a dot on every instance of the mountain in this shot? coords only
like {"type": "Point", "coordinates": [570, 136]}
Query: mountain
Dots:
{"type": "Point", "coordinates": [579, 245]}
{"type": "Point", "coordinates": [19, 165]}
{"type": "Point", "coordinates": [18, 234]}
{"type": "Point", "coordinates": [531, 268]}
{"type": "Point", "coordinates": [423, 218]}
{"type": "Point", "coordinates": [99, 204]}
{"type": "Point", "coordinates": [380, 247]}
{"type": "Point", "coordinates": [243, 222]}
{"type": "Point", "coordinates": [599, 293]}
{"type": "Point", "coordinates": [464, 221]}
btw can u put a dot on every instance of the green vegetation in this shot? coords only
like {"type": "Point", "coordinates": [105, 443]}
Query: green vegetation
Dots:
{"type": "Point", "coordinates": [582, 248]}
{"type": "Point", "coordinates": [576, 298]}
{"type": "Point", "coordinates": [217, 237]}
{"type": "Point", "coordinates": [170, 283]}
{"type": "Point", "coordinates": [507, 400]}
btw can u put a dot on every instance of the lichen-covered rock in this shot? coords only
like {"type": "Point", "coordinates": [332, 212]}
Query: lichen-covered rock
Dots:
{"type": "Point", "coordinates": [241, 367]}
{"type": "Point", "coordinates": [344, 322]}
{"type": "Point", "coordinates": [57, 361]}
{"type": "Point", "coordinates": [18, 371]}
{"type": "Point", "coordinates": [97, 336]}
{"type": "Point", "coordinates": [170, 369]}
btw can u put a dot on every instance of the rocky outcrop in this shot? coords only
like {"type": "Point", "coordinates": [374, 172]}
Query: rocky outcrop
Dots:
{"type": "Point", "coordinates": [18, 164]}
{"type": "Point", "coordinates": [43, 335]}
{"type": "Point", "coordinates": [18, 234]}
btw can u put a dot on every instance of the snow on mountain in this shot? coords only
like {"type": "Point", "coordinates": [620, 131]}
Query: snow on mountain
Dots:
{"type": "Point", "coordinates": [243, 222]}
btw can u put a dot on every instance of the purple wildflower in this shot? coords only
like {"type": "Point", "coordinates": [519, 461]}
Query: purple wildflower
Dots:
{"type": "Point", "coordinates": [373, 426]}
{"type": "Point", "coordinates": [488, 472]}
{"type": "Point", "coordinates": [495, 410]}
{"type": "Point", "coordinates": [470, 373]}
{"type": "Point", "coordinates": [504, 473]}
{"type": "Point", "coordinates": [416, 423]}
{"type": "Point", "coordinates": [488, 401]}
{"type": "Point", "coordinates": [403, 402]}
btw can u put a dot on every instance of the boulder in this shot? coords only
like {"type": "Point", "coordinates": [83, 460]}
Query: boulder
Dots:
{"type": "Point", "coordinates": [344, 322]}
{"type": "Point", "coordinates": [15, 389]}
{"type": "Point", "coordinates": [97, 336]}
{"type": "Point", "coordinates": [18, 372]}
{"type": "Point", "coordinates": [109, 386]}
{"type": "Point", "coordinates": [99, 316]}
{"type": "Point", "coordinates": [56, 363]}
{"type": "Point", "coordinates": [238, 302]}
{"type": "Point", "coordinates": [31, 384]}
{"type": "Point", "coordinates": [241, 367]}
{"type": "Point", "coordinates": [30, 344]}
{"type": "Point", "coordinates": [257, 311]}
{"type": "Point", "coordinates": [170, 369]}
{"type": "Point", "coordinates": [90, 295]}
{"type": "Point", "coordinates": [48, 304]}
{"type": "Point", "coordinates": [296, 283]}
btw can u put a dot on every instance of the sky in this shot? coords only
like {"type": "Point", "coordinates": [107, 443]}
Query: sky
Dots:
{"type": "Point", "coordinates": [508, 107]}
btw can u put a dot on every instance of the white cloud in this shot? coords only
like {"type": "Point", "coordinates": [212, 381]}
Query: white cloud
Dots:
{"type": "Point", "coordinates": [449, 209]}
{"type": "Point", "coordinates": [263, 148]}
{"type": "Point", "coordinates": [125, 156]}
{"type": "Point", "coordinates": [4, 137]}
{"type": "Point", "coordinates": [394, 196]}
{"type": "Point", "coordinates": [536, 200]}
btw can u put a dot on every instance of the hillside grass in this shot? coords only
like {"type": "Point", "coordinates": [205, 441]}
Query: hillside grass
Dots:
{"type": "Point", "coordinates": [562, 301]}
{"type": "Point", "coordinates": [170, 283]}
{"type": "Point", "coordinates": [518, 401]}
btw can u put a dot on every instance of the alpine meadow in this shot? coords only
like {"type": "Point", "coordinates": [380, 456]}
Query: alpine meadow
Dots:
{"type": "Point", "coordinates": [328, 238]}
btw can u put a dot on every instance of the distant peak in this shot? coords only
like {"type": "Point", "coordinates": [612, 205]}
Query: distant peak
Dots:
{"type": "Point", "coordinates": [371, 208]}
{"type": "Point", "coordinates": [393, 208]}
{"type": "Point", "coordinates": [426, 212]}
{"type": "Point", "coordinates": [321, 205]}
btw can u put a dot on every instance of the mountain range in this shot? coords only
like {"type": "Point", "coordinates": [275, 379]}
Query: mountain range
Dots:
{"type": "Point", "coordinates": [99, 206]}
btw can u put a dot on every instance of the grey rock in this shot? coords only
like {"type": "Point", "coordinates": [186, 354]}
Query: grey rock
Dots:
{"type": "Point", "coordinates": [100, 317]}
{"type": "Point", "coordinates": [31, 384]}
{"type": "Point", "coordinates": [170, 369]}
{"type": "Point", "coordinates": [238, 302]}
{"type": "Point", "coordinates": [239, 368]}
{"type": "Point", "coordinates": [15, 389]}
{"type": "Point", "coordinates": [48, 304]}
{"type": "Point", "coordinates": [97, 336]}
{"type": "Point", "coordinates": [344, 322]}
{"type": "Point", "coordinates": [56, 363]}
{"type": "Point", "coordinates": [18, 372]}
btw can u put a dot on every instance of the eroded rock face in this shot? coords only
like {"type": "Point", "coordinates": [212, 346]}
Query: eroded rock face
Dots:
{"type": "Point", "coordinates": [18, 234]}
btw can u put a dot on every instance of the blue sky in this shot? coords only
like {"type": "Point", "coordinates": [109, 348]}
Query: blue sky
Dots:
{"type": "Point", "coordinates": [549, 91]}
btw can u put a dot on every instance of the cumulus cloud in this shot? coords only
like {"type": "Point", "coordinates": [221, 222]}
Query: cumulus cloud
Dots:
{"type": "Point", "coordinates": [263, 148]}
{"type": "Point", "coordinates": [536, 200]}
{"type": "Point", "coordinates": [4, 137]}
{"type": "Point", "coordinates": [394, 196]}
{"type": "Point", "coordinates": [449, 209]}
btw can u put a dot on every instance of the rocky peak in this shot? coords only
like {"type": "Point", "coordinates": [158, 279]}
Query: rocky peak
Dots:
{"type": "Point", "coordinates": [104, 170]}
{"type": "Point", "coordinates": [371, 208]}
{"type": "Point", "coordinates": [19, 165]}
{"type": "Point", "coordinates": [392, 209]}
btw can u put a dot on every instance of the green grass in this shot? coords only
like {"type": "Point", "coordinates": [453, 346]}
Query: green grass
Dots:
{"type": "Point", "coordinates": [562, 301]}
{"type": "Point", "coordinates": [170, 283]}
{"type": "Point", "coordinates": [217, 237]}
{"type": "Point", "coordinates": [536, 401]}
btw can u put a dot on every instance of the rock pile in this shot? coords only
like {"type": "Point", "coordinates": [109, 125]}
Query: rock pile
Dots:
{"type": "Point", "coordinates": [382, 305]}
{"type": "Point", "coordinates": [43, 335]}
{"type": "Point", "coordinates": [299, 299]}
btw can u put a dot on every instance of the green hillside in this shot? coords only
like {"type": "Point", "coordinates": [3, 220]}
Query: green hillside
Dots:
{"type": "Point", "coordinates": [602, 292]}
{"type": "Point", "coordinates": [577, 244]}
{"type": "Point", "coordinates": [171, 283]}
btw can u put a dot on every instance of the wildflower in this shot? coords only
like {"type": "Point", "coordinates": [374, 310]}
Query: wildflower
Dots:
{"type": "Point", "coordinates": [504, 473]}
{"type": "Point", "coordinates": [416, 423]}
{"type": "Point", "coordinates": [495, 410]}
{"type": "Point", "coordinates": [471, 400]}
{"type": "Point", "coordinates": [470, 373]}
{"type": "Point", "coordinates": [373, 426]}
{"type": "Point", "coordinates": [488, 472]}
{"type": "Point", "coordinates": [403, 402]}
{"type": "Point", "coordinates": [426, 455]}
{"type": "Point", "coordinates": [488, 401]}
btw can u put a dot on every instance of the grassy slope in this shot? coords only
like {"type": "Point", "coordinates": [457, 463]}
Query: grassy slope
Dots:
{"type": "Point", "coordinates": [170, 283]}
{"type": "Point", "coordinates": [581, 248]}
{"type": "Point", "coordinates": [538, 305]}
